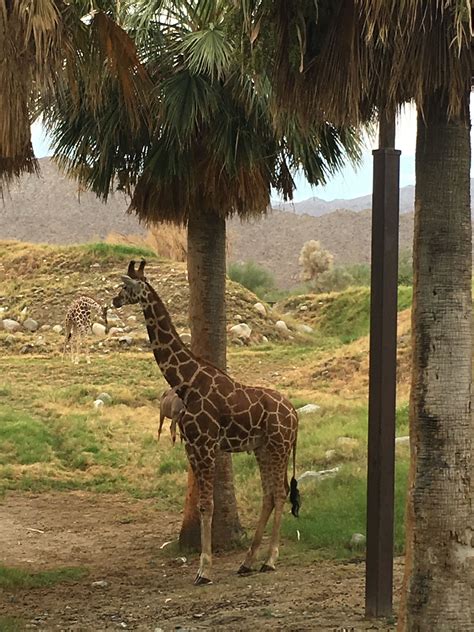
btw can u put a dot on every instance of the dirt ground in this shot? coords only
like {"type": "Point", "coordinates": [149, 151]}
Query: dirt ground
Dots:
{"type": "Point", "coordinates": [118, 540]}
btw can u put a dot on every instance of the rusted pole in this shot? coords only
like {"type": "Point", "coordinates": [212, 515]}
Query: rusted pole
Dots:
{"type": "Point", "coordinates": [382, 373]}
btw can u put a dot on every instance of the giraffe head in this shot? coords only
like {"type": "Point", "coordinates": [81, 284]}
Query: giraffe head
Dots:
{"type": "Point", "coordinates": [133, 286]}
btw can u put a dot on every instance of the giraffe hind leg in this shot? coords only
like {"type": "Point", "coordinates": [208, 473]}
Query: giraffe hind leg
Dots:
{"type": "Point", "coordinates": [265, 512]}
{"type": "Point", "coordinates": [279, 495]}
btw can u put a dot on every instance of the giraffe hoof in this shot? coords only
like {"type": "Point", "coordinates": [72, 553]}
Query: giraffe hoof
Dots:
{"type": "Point", "coordinates": [266, 569]}
{"type": "Point", "coordinates": [244, 570]}
{"type": "Point", "coordinates": [202, 581]}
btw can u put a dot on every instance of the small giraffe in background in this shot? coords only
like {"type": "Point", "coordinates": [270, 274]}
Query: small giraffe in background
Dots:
{"type": "Point", "coordinates": [220, 414]}
{"type": "Point", "coordinates": [171, 406]}
{"type": "Point", "coordinates": [78, 323]}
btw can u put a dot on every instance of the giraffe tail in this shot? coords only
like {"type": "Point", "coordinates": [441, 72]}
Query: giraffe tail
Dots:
{"type": "Point", "coordinates": [295, 499]}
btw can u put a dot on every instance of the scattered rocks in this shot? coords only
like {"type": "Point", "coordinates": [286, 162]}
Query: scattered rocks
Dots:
{"type": "Point", "coordinates": [101, 583]}
{"type": "Point", "coordinates": [185, 337]}
{"type": "Point", "coordinates": [260, 308]}
{"type": "Point", "coordinates": [281, 325]}
{"type": "Point", "coordinates": [11, 325]}
{"type": "Point", "coordinates": [114, 331]}
{"type": "Point", "coordinates": [402, 441]}
{"type": "Point", "coordinates": [105, 397]}
{"type": "Point", "coordinates": [242, 331]}
{"type": "Point", "coordinates": [309, 408]}
{"type": "Point", "coordinates": [304, 329]}
{"type": "Point", "coordinates": [98, 330]}
{"type": "Point", "coordinates": [30, 324]}
{"type": "Point", "coordinates": [357, 542]}
{"type": "Point", "coordinates": [58, 329]}
{"type": "Point", "coordinates": [319, 475]}
{"type": "Point", "coordinates": [330, 455]}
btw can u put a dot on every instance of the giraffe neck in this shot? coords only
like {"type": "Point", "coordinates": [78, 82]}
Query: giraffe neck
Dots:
{"type": "Point", "coordinates": [170, 353]}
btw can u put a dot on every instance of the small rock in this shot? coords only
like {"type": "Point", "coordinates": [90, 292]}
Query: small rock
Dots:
{"type": "Point", "coordinates": [330, 455]}
{"type": "Point", "coordinates": [11, 325]}
{"type": "Point", "coordinates": [95, 265]}
{"type": "Point", "coordinates": [10, 340]}
{"type": "Point", "coordinates": [28, 348]}
{"type": "Point", "coordinates": [24, 312]}
{"type": "Point", "coordinates": [126, 341]}
{"type": "Point", "coordinates": [101, 583]}
{"type": "Point", "coordinates": [357, 542]}
{"type": "Point", "coordinates": [105, 397]}
{"type": "Point", "coordinates": [158, 630]}
{"type": "Point", "coordinates": [45, 328]}
{"type": "Point", "coordinates": [185, 337]}
{"type": "Point", "coordinates": [402, 440]}
{"type": "Point", "coordinates": [281, 325]}
{"type": "Point", "coordinates": [113, 331]}
{"type": "Point", "coordinates": [242, 330]}
{"type": "Point", "coordinates": [309, 408]}
{"type": "Point", "coordinates": [305, 329]}
{"type": "Point", "coordinates": [264, 339]}
{"type": "Point", "coordinates": [311, 474]}
{"type": "Point", "coordinates": [58, 329]}
{"type": "Point", "coordinates": [132, 319]}
{"type": "Point", "coordinates": [98, 403]}
{"type": "Point", "coordinates": [303, 308]}
{"type": "Point", "coordinates": [30, 324]}
{"type": "Point", "coordinates": [238, 317]}
{"type": "Point", "coordinates": [260, 308]}
{"type": "Point", "coordinates": [98, 329]}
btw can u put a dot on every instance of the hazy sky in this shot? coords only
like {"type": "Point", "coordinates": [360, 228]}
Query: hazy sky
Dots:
{"type": "Point", "coordinates": [349, 183]}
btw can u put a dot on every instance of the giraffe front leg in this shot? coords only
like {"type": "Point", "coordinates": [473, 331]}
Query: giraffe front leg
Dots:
{"type": "Point", "coordinates": [206, 507]}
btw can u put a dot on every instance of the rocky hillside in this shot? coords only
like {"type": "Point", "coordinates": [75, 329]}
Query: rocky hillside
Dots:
{"type": "Point", "coordinates": [51, 210]}
{"type": "Point", "coordinates": [39, 282]}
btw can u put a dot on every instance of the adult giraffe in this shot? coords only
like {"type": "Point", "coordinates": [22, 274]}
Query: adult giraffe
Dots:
{"type": "Point", "coordinates": [220, 413]}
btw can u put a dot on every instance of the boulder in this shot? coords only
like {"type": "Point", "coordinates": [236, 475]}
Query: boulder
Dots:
{"type": "Point", "coordinates": [10, 340]}
{"type": "Point", "coordinates": [30, 324]}
{"type": "Point", "coordinates": [242, 331]}
{"type": "Point", "coordinates": [281, 325]}
{"type": "Point", "coordinates": [11, 325]}
{"type": "Point", "coordinates": [357, 542]}
{"type": "Point", "coordinates": [185, 337]}
{"type": "Point", "coordinates": [58, 329]}
{"type": "Point", "coordinates": [105, 397]}
{"type": "Point", "coordinates": [304, 329]}
{"type": "Point", "coordinates": [114, 331]}
{"type": "Point", "coordinates": [309, 408]}
{"type": "Point", "coordinates": [330, 455]}
{"type": "Point", "coordinates": [98, 330]}
{"type": "Point", "coordinates": [260, 308]}
{"type": "Point", "coordinates": [319, 475]}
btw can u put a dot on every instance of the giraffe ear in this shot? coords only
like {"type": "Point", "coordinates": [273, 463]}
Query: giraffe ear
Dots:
{"type": "Point", "coordinates": [131, 269]}
{"type": "Point", "coordinates": [128, 281]}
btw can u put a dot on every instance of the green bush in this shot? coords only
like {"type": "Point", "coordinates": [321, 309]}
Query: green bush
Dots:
{"type": "Point", "coordinates": [253, 277]}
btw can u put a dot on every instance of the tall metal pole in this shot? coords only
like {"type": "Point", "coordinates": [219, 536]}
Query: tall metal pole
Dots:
{"type": "Point", "coordinates": [382, 372]}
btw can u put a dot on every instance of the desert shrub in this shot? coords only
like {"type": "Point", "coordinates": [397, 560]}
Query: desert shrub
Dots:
{"type": "Point", "coordinates": [252, 276]}
{"type": "Point", "coordinates": [314, 261]}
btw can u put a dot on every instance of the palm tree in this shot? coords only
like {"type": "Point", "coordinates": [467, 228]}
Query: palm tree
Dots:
{"type": "Point", "coordinates": [342, 60]}
{"type": "Point", "coordinates": [39, 39]}
{"type": "Point", "coordinates": [211, 152]}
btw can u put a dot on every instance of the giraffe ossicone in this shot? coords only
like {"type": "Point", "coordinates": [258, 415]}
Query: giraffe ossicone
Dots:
{"type": "Point", "coordinates": [221, 414]}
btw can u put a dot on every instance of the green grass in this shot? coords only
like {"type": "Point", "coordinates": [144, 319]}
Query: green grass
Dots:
{"type": "Point", "coordinates": [16, 578]}
{"type": "Point", "coordinates": [335, 508]}
{"type": "Point", "coordinates": [106, 251]}
{"type": "Point", "coordinates": [12, 624]}
{"type": "Point", "coordinates": [347, 314]}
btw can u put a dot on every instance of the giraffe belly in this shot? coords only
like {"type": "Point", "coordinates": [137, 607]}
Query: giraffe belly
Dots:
{"type": "Point", "coordinates": [234, 444]}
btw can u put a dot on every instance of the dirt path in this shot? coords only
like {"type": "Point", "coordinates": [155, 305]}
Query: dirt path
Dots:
{"type": "Point", "coordinates": [118, 541]}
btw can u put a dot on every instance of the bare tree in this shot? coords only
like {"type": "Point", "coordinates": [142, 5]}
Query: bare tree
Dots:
{"type": "Point", "coordinates": [314, 261]}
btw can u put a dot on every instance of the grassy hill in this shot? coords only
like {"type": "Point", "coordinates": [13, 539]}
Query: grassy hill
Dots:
{"type": "Point", "coordinates": [52, 437]}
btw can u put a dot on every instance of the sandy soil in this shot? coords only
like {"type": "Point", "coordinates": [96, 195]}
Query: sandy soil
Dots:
{"type": "Point", "coordinates": [147, 588]}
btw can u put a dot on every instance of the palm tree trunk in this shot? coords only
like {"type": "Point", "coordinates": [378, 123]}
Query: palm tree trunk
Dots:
{"type": "Point", "coordinates": [207, 276]}
{"type": "Point", "coordinates": [439, 577]}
